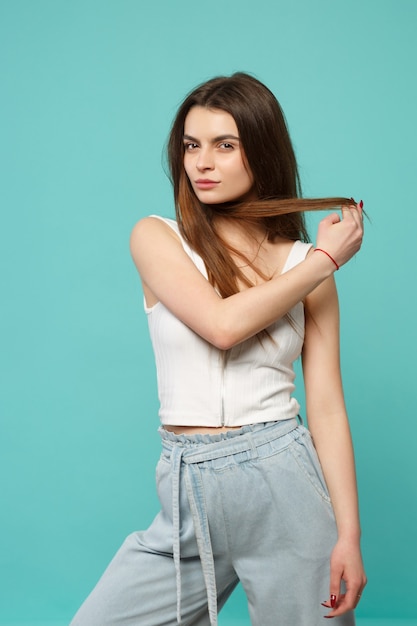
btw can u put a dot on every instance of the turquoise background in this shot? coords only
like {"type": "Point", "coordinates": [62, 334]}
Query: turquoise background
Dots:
{"type": "Point", "coordinates": [88, 91]}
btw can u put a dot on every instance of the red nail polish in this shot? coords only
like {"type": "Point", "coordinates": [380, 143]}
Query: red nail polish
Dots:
{"type": "Point", "coordinates": [332, 601]}
{"type": "Point", "coordinates": [361, 204]}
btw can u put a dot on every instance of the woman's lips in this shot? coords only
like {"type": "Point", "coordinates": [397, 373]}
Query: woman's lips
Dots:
{"type": "Point", "coordinates": [206, 183]}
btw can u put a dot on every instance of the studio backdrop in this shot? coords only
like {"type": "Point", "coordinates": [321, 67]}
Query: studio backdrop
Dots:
{"type": "Point", "coordinates": [88, 92]}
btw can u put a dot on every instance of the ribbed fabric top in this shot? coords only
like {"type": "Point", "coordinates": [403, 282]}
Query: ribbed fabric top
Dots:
{"type": "Point", "coordinates": [200, 385]}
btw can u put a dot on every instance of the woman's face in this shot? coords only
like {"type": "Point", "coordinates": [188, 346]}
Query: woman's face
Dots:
{"type": "Point", "coordinates": [214, 159]}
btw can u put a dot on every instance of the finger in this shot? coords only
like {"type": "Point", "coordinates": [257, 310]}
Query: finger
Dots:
{"type": "Point", "coordinates": [334, 588]}
{"type": "Point", "coordinates": [356, 213]}
{"type": "Point", "coordinates": [349, 212]}
{"type": "Point", "coordinates": [346, 602]}
{"type": "Point", "coordinates": [333, 218]}
{"type": "Point", "coordinates": [340, 608]}
{"type": "Point", "coordinates": [353, 214]}
{"type": "Point", "coordinates": [335, 610]}
{"type": "Point", "coordinates": [357, 205]}
{"type": "Point", "coordinates": [358, 596]}
{"type": "Point", "coordinates": [359, 208]}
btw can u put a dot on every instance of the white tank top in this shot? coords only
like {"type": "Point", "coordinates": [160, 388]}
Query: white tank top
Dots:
{"type": "Point", "coordinates": [200, 385]}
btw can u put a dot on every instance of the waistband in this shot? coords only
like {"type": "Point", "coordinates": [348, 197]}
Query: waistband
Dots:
{"type": "Point", "coordinates": [185, 452]}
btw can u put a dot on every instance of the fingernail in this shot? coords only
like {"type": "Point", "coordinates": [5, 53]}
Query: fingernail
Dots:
{"type": "Point", "coordinates": [352, 201]}
{"type": "Point", "coordinates": [361, 204]}
{"type": "Point", "coordinates": [328, 616]}
{"type": "Point", "coordinates": [332, 601]}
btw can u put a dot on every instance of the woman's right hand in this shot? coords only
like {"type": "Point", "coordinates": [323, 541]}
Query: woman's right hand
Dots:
{"type": "Point", "coordinates": [342, 237]}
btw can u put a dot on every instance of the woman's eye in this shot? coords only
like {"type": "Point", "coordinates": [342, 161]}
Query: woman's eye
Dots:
{"type": "Point", "coordinates": [226, 145]}
{"type": "Point", "coordinates": [190, 146]}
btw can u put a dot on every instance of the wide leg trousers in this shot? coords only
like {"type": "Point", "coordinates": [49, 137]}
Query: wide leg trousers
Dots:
{"type": "Point", "coordinates": [249, 505]}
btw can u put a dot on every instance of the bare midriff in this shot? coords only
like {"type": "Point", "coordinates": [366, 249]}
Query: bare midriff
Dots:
{"type": "Point", "coordinates": [199, 430]}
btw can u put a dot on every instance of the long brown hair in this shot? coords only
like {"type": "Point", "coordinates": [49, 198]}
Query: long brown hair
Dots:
{"type": "Point", "coordinates": [270, 157]}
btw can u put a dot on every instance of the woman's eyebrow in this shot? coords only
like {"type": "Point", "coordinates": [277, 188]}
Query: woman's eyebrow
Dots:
{"type": "Point", "coordinates": [214, 140]}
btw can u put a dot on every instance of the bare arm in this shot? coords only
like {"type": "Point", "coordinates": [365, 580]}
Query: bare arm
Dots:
{"type": "Point", "coordinates": [172, 278]}
{"type": "Point", "coordinates": [329, 427]}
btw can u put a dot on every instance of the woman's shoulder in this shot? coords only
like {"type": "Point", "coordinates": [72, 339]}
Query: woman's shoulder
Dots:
{"type": "Point", "coordinates": [155, 236]}
{"type": "Point", "coordinates": [154, 233]}
{"type": "Point", "coordinates": [154, 226]}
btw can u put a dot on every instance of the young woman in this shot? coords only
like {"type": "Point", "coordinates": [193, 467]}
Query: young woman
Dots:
{"type": "Point", "coordinates": [234, 295]}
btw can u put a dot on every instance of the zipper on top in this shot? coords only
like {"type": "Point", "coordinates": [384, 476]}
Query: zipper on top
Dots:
{"type": "Point", "coordinates": [224, 358]}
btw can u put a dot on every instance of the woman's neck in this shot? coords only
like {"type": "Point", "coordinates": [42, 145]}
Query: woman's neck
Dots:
{"type": "Point", "coordinates": [243, 237]}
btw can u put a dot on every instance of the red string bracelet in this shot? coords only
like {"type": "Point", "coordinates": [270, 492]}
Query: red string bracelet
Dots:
{"type": "Point", "coordinates": [327, 254]}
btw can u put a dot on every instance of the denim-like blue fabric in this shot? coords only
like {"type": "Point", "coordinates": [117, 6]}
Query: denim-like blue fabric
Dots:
{"type": "Point", "coordinates": [248, 505]}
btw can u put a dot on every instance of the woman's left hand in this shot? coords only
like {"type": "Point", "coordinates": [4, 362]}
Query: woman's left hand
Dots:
{"type": "Point", "coordinates": [345, 564]}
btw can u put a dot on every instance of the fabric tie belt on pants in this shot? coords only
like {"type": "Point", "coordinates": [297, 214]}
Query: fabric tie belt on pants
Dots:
{"type": "Point", "coordinates": [185, 454]}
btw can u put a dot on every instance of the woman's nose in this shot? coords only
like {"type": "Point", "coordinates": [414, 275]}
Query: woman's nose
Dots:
{"type": "Point", "coordinates": [205, 160]}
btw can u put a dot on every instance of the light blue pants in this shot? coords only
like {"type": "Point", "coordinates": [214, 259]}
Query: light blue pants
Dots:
{"type": "Point", "coordinates": [249, 505]}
